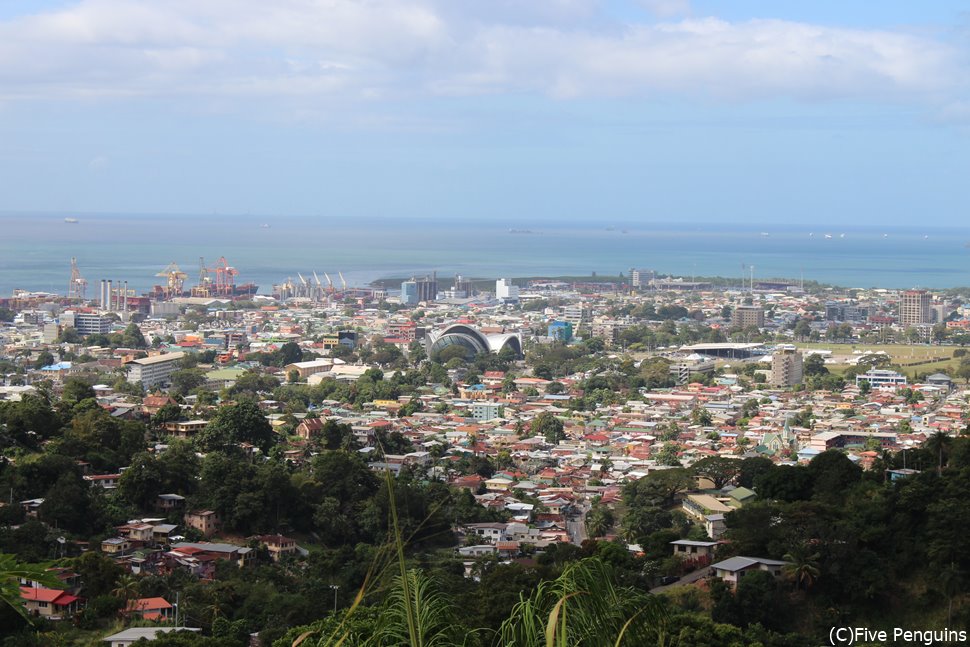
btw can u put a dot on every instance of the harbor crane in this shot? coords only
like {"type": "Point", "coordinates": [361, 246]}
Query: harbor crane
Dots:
{"type": "Point", "coordinates": [202, 289]}
{"type": "Point", "coordinates": [78, 285]}
{"type": "Point", "coordinates": [175, 279]}
{"type": "Point", "coordinates": [225, 282]}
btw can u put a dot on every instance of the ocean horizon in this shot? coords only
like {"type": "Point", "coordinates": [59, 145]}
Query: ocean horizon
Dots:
{"type": "Point", "coordinates": [36, 249]}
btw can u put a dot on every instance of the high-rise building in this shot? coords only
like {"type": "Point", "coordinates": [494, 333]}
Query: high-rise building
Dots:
{"type": "Point", "coordinates": [50, 332]}
{"type": "Point", "coordinates": [414, 291]}
{"type": "Point", "coordinates": [86, 323]}
{"type": "Point", "coordinates": [463, 287]}
{"type": "Point", "coordinates": [845, 312]}
{"type": "Point", "coordinates": [608, 330]}
{"type": "Point", "coordinates": [409, 293]}
{"type": "Point", "coordinates": [574, 313]}
{"type": "Point", "coordinates": [786, 367]}
{"type": "Point", "coordinates": [747, 316]}
{"type": "Point", "coordinates": [640, 278]}
{"type": "Point", "coordinates": [153, 370]}
{"type": "Point", "coordinates": [505, 291]}
{"type": "Point", "coordinates": [428, 288]}
{"type": "Point", "coordinates": [914, 308]}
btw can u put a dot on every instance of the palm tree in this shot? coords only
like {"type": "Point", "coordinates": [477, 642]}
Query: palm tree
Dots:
{"type": "Point", "coordinates": [938, 443]}
{"type": "Point", "coordinates": [884, 463]}
{"type": "Point", "coordinates": [126, 589]}
{"type": "Point", "coordinates": [599, 521]}
{"type": "Point", "coordinates": [802, 566]}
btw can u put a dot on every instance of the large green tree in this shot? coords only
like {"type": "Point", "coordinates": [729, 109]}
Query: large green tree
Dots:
{"type": "Point", "coordinates": [720, 471]}
{"type": "Point", "coordinates": [238, 423]}
{"type": "Point", "coordinates": [186, 380]}
{"type": "Point", "coordinates": [104, 442]}
{"type": "Point", "coordinates": [132, 337]}
{"type": "Point", "coordinates": [548, 426]}
{"type": "Point", "coordinates": [69, 505]}
{"type": "Point", "coordinates": [142, 482]}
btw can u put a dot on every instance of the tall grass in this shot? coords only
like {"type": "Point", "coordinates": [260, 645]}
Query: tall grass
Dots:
{"type": "Point", "coordinates": [581, 608]}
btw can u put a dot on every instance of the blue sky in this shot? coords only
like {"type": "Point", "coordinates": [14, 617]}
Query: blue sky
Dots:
{"type": "Point", "coordinates": [625, 110]}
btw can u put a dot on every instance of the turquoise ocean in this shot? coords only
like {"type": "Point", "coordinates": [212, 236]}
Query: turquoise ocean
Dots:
{"type": "Point", "coordinates": [35, 250]}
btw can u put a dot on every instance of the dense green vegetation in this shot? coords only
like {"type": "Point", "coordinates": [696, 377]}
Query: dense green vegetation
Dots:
{"type": "Point", "coordinates": [862, 547]}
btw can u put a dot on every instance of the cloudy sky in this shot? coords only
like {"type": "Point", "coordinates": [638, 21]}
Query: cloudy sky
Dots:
{"type": "Point", "coordinates": [628, 110]}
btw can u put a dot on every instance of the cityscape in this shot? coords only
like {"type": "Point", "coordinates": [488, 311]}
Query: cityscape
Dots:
{"type": "Point", "coordinates": [436, 323]}
{"type": "Point", "coordinates": [530, 422]}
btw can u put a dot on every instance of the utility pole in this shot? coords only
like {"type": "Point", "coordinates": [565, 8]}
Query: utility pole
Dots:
{"type": "Point", "coordinates": [334, 587]}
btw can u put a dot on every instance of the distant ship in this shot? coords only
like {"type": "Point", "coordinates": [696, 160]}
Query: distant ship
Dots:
{"type": "Point", "coordinates": [765, 234]}
{"type": "Point", "coordinates": [828, 235]}
{"type": "Point", "coordinates": [520, 231]}
{"type": "Point", "coordinates": [841, 235]}
{"type": "Point", "coordinates": [264, 226]}
{"type": "Point", "coordinates": [246, 289]}
{"type": "Point", "coordinates": [72, 221]}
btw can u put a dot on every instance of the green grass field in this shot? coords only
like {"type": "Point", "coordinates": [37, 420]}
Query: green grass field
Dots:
{"type": "Point", "coordinates": [913, 358]}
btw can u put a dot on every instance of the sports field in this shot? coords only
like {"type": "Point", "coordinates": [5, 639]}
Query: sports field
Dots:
{"type": "Point", "coordinates": [913, 358]}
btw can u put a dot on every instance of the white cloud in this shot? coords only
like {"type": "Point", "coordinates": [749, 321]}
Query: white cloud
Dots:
{"type": "Point", "coordinates": [667, 8]}
{"type": "Point", "coordinates": [351, 50]}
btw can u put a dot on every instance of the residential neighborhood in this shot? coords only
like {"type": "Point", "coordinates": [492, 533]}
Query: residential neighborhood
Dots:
{"type": "Point", "coordinates": [254, 435]}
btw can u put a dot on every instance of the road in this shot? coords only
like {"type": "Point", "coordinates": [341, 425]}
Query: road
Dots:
{"type": "Point", "coordinates": [690, 578]}
{"type": "Point", "coordinates": [577, 529]}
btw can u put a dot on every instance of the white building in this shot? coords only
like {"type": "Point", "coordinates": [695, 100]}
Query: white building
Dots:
{"type": "Point", "coordinates": [878, 378]}
{"type": "Point", "coordinates": [153, 370]}
{"type": "Point", "coordinates": [574, 313]}
{"type": "Point", "coordinates": [505, 291]}
{"type": "Point", "coordinates": [86, 323]}
{"type": "Point", "coordinates": [732, 570]}
{"type": "Point", "coordinates": [134, 634]}
{"type": "Point", "coordinates": [640, 278]}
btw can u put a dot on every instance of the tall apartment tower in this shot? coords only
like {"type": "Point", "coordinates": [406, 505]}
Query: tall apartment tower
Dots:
{"type": "Point", "coordinates": [640, 278]}
{"type": "Point", "coordinates": [415, 290]}
{"type": "Point", "coordinates": [747, 316]}
{"type": "Point", "coordinates": [914, 308]}
{"type": "Point", "coordinates": [506, 291]}
{"type": "Point", "coordinates": [786, 367]}
{"type": "Point", "coordinates": [409, 292]}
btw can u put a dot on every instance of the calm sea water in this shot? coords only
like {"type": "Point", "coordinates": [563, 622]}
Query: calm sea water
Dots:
{"type": "Point", "coordinates": [35, 250]}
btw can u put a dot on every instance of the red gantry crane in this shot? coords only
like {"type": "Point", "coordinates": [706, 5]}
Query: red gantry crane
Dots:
{"type": "Point", "coordinates": [225, 283]}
